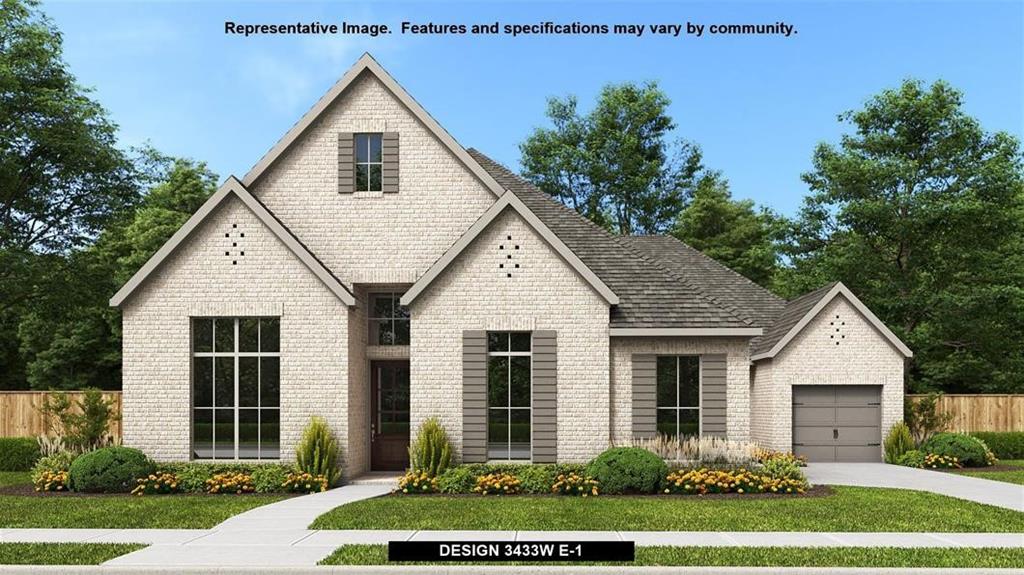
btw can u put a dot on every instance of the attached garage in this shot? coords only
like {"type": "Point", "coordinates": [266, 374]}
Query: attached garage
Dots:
{"type": "Point", "coordinates": [837, 422]}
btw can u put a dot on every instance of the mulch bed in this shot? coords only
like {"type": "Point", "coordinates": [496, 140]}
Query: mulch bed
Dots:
{"type": "Point", "coordinates": [815, 491]}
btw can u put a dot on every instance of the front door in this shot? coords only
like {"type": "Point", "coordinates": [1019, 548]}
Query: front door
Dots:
{"type": "Point", "coordinates": [389, 415]}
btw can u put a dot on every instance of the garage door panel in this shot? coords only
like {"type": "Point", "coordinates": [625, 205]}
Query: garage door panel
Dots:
{"type": "Point", "coordinates": [857, 453]}
{"type": "Point", "coordinates": [857, 394]}
{"type": "Point", "coordinates": [859, 416]}
{"type": "Point", "coordinates": [814, 395]}
{"type": "Point", "coordinates": [815, 452]}
{"type": "Point", "coordinates": [813, 435]}
{"type": "Point", "coordinates": [857, 435]}
{"type": "Point", "coordinates": [807, 415]}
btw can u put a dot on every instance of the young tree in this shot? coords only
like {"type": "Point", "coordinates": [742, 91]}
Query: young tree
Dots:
{"type": "Point", "coordinates": [614, 165]}
{"type": "Point", "coordinates": [731, 231]}
{"type": "Point", "coordinates": [920, 212]}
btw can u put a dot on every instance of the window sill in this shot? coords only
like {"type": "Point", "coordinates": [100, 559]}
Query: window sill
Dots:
{"type": "Point", "coordinates": [368, 194]}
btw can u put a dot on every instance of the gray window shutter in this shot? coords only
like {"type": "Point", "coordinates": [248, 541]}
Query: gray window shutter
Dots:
{"type": "Point", "coordinates": [712, 395]}
{"type": "Point", "coordinates": [346, 163]}
{"type": "Point", "coordinates": [645, 395]}
{"type": "Point", "coordinates": [389, 172]}
{"type": "Point", "coordinates": [474, 396]}
{"type": "Point", "coordinates": [545, 397]}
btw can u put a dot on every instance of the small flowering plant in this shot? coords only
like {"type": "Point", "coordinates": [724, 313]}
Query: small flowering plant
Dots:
{"type": "Point", "coordinates": [575, 484]}
{"type": "Point", "coordinates": [703, 481]}
{"type": "Point", "coordinates": [936, 461]}
{"type": "Point", "coordinates": [161, 482]}
{"type": "Point", "coordinates": [51, 481]}
{"type": "Point", "coordinates": [304, 483]}
{"type": "Point", "coordinates": [230, 483]}
{"type": "Point", "coordinates": [497, 484]}
{"type": "Point", "coordinates": [417, 482]}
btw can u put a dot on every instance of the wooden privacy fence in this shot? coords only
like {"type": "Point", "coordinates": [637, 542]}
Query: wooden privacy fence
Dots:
{"type": "Point", "coordinates": [983, 412]}
{"type": "Point", "coordinates": [20, 417]}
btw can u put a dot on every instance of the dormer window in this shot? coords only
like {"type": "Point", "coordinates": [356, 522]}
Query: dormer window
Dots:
{"type": "Point", "coordinates": [369, 162]}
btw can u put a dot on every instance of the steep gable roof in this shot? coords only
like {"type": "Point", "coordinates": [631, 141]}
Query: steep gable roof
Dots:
{"type": "Point", "coordinates": [233, 188]}
{"type": "Point", "coordinates": [508, 200]}
{"type": "Point", "coordinates": [649, 295]}
{"type": "Point", "coordinates": [800, 311]}
{"type": "Point", "coordinates": [366, 64]}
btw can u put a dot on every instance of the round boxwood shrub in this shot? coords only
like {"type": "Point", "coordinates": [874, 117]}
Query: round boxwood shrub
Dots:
{"type": "Point", "coordinates": [109, 470]}
{"type": "Point", "coordinates": [969, 451]}
{"type": "Point", "coordinates": [628, 470]}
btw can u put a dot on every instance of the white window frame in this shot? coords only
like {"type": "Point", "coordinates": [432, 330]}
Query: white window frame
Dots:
{"type": "Point", "coordinates": [508, 409]}
{"type": "Point", "coordinates": [700, 393]}
{"type": "Point", "coordinates": [368, 162]}
{"type": "Point", "coordinates": [236, 354]}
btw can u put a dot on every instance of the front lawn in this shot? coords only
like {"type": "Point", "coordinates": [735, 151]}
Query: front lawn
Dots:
{"type": "Point", "coordinates": [62, 553]}
{"type": "Point", "coordinates": [765, 557]}
{"type": "Point", "coordinates": [8, 478]}
{"type": "Point", "coordinates": [1009, 476]}
{"type": "Point", "coordinates": [847, 509]}
{"type": "Point", "coordinates": [125, 511]}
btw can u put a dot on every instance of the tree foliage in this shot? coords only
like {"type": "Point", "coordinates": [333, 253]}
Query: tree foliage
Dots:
{"type": "Point", "coordinates": [614, 165]}
{"type": "Point", "coordinates": [919, 212]}
{"type": "Point", "coordinates": [731, 231]}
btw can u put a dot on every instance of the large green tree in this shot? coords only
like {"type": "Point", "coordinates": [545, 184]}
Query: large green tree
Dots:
{"type": "Point", "coordinates": [62, 178]}
{"type": "Point", "coordinates": [616, 164]}
{"type": "Point", "coordinates": [71, 339]}
{"type": "Point", "coordinates": [733, 232]}
{"type": "Point", "coordinates": [919, 211]}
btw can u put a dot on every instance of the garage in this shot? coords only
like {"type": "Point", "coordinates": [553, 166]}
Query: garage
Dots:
{"type": "Point", "coordinates": [837, 422]}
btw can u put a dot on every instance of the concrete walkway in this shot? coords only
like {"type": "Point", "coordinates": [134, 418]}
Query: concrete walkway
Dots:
{"type": "Point", "coordinates": [998, 493]}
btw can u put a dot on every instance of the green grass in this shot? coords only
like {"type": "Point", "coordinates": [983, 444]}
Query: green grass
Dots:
{"type": "Point", "coordinates": [62, 553]}
{"type": "Point", "coordinates": [848, 509]}
{"type": "Point", "coordinates": [1015, 476]}
{"type": "Point", "coordinates": [764, 557]}
{"type": "Point", "coordinates": [14, 478]}
{"type": "Point", "coordinates": [125, 511]}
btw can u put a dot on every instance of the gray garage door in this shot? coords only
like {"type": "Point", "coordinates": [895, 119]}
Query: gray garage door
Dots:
{"type": "Point", "coordinates": [837, 422]}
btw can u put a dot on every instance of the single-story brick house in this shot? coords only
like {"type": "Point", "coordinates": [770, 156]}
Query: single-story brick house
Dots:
{"type": "Point", "coordinates": [372, 271]}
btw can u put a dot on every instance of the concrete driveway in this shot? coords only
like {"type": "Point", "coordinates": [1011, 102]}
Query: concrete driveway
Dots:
{"type": "Point", "coordinates": [998, 493]}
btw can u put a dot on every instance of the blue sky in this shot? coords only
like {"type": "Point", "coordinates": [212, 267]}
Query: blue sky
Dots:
{"type": "Point", "coordinates": [756, 105]}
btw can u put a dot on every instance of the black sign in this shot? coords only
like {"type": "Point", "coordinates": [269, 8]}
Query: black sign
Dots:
{"type": "Point", "coordinates": [568, 551]}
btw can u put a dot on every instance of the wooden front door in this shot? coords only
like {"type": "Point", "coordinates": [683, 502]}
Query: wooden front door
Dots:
{"type": "Point", "coordinates": [389, 415]}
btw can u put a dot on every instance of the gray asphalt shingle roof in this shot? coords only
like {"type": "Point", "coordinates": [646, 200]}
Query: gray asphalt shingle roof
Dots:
{"type": "Point", "coordinates": [790, 315]}
{"type": "Point", "coordinates": [650, 294]}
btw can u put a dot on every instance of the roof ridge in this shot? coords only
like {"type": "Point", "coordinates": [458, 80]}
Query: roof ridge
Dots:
{"type": "Point", "coordinates": [620, 242]}
{"type": "Point", "coordinates": [725, 267]}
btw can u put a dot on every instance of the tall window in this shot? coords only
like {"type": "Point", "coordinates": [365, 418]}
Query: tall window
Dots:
{"type": "Point", "coordinates": [508, 395]}
{"type": "Point", "coordinates": [236, 365]}
{"type": "Point", "coordinates": [679, 395]}
{"type": "Point", "coordinates": [369, 163]}
{"type": "Point", "coordinates": [389, 320]}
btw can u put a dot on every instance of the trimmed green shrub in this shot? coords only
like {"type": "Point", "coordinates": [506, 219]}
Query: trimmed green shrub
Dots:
{"type": "Point", "coordinates": [18, 453]}
{"type": "Point", "coordinates": [317, 452]}
{"type": "Point", "coordinates": [1004, 444]}
{"type": "Point", "coordinates": [109, 470]}
{"type": "Point", "coordinates": [460, 479]}
{"type": "Point", "coordinates": [912, 458]}
{"type": "Point", "coordinates": [431, 453]}
{"type": "Point", "coordinates": [192, 476]}
{"type": "Point", "coordinates": [968, 451]}
{"type": "Point", "coordinates": [897, 442]}
{"type": "Point", "coordinates": [628, 470]}
{"type": "Point", "coordinates": [780, 468]}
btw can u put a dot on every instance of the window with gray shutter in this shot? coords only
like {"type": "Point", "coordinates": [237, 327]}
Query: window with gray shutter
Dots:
{"type": "Point", "coordinates": [346, 163]}
{"type": "Point", "coordinates": [545, 397]}
{"type": "Point", "coordinates": [390, 158]}
{"type": "Point", "coordinates": [474, 396]}
{"type": "Point", "coordinates": [645, 405]}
